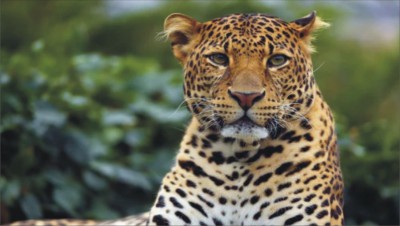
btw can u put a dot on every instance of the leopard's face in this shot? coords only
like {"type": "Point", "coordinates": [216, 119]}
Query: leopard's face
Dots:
{"type": "Point", "coordinates": [245, 75]}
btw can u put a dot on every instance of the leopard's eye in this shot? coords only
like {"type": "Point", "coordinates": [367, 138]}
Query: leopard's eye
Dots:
{"type": "Point", "coordinates": [277, 60]}
{"type": "Point", "coordinates": [219, 59]}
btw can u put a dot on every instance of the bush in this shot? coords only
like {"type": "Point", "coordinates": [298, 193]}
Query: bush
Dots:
{"type": "Point", "coordinates": [69, 140]}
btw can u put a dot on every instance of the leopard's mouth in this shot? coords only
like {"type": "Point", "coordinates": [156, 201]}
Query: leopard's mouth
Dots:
{"type": "Point", "coordinates": [246, 129]}
{"type": "Point", "coordinates": [244, 121]}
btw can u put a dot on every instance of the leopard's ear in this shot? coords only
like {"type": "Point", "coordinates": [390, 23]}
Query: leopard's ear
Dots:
{"type": "Point", "coordinates": [180, 30]}
{"type": "Point", "coordinates": [306, 26]}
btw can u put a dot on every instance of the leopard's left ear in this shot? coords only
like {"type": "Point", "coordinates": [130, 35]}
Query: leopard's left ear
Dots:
{"type": "Point", "coordinates": [307, 25]}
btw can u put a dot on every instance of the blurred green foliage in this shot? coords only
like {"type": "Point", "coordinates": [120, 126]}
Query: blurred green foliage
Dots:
{"type": "Point", "coordinates": [91, 108]}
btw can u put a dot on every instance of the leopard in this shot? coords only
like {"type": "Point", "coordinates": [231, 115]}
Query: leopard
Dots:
{"type": "Point", "coordinates": [261, 146]}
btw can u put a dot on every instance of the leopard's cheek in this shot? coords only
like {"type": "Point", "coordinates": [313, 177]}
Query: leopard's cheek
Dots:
{"type": "Point", "coordinates": [226, 110]}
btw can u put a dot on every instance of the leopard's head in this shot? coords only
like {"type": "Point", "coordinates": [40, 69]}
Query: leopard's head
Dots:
{"type": "Point", "coordinates": [245, 74]}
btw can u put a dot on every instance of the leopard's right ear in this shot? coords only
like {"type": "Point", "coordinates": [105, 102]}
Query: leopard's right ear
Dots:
{"type": "Point", "coordinates": [180, 31]}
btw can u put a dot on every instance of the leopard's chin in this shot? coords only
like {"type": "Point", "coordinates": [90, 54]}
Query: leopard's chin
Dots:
{"type": "Point", "coordinates": [245, 129]}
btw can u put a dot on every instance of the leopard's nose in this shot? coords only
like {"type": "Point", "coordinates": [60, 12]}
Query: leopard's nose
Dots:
{"type": "Point", "coordinates": [246, 99]}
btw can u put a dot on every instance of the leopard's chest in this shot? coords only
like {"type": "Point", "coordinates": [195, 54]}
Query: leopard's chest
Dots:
{"type": "Point", "coordinates": [251, 198]}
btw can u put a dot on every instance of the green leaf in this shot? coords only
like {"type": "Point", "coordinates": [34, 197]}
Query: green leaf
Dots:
{"type": "Point", "coordinates": [9, 190]}
{"type": "Point", "coordinates": [118, 118]}
{"type": "Point", "coordinates": [94, 181]}
{"type": "Point", "coordinates": [96, 147]}
{"type": "Point", "coordinates": [11, 121]}
{"type": "Point", "coordinates": [37, 45]}
{"type": "Point", "coordinates": [4, 78]}
{"type": "Point", "coordinates": [122, 174]}
{"type": "Point", "coordinates": [68, 197]}
{"type": "Point", "coordinates": [30, 205]}
{"type": "Point", "coordinates": [135, 137]}
{"type": "Point", "coordinates": [102, 212]}
{"type": "Point", "coordinates": [88, 63]}
{"type": "Point", "coordinates": [45, 114]}
{"type": "Point", "coordinates": [75, 100]}
{"type": "Point", "coordinates": [55, 176]}
{"type": "Point", "coordinates": [77, 147]}
{"type": "Point", "coordinates": [112, 134]}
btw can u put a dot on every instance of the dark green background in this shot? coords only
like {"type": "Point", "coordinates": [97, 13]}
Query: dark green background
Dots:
{"type": "Point", "coordinates": [91, 113]}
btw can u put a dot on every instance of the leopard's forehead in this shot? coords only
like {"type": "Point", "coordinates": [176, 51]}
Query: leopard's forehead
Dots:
{"type": "Point", "coordinates": [240, 17]}
{"type": "Point", "coordinates": [252, 24]}
{"type": "Point", "coordinates": [249, 32]}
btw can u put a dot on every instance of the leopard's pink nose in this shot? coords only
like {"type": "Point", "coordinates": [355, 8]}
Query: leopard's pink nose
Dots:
{"type": "Point", "coordinates": [246, 99]}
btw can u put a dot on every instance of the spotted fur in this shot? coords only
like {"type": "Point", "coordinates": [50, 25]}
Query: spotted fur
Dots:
{"type": "Point", "coordinates": [261, 146]}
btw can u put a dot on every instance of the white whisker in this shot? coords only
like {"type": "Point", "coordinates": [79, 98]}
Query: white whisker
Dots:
{"type": "Point", "coordinates": [315, 70]}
